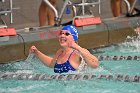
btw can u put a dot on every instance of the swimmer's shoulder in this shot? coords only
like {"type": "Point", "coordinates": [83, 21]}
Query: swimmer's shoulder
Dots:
{"type": "Point", "coordinates": [59, 51]}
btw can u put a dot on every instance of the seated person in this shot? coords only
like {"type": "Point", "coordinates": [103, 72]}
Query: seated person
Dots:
{"type": "Point", "coordinates": [71, 56]}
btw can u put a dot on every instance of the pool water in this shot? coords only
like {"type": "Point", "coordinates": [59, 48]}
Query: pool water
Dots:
{"type": "Point", "coordinates": [124, 67]}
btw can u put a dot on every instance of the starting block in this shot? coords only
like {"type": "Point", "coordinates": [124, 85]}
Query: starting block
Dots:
{"type": "Point", "coordinates": [7, 32]}
{"type": "Point", "coordinates": [87, 21]}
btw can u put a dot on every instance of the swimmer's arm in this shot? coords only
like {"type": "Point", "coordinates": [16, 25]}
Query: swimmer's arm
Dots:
{"type": "Point", "coordinates": [90, 59]}
{"type": "Point", "coordinates": [44, 58]}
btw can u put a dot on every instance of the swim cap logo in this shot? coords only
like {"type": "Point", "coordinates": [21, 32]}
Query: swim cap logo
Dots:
{"type": "Point", "coordinates": [75, 30]}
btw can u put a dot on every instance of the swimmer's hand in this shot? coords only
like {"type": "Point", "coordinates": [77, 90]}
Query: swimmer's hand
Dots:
{"type": "Point", "coordinates": [72, 43]}
{"type": "Point", "coordinates": [33, 49]}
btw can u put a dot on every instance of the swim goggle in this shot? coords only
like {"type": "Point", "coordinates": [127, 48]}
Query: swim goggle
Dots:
{"type": "Point", "coordinates": [66, 33]}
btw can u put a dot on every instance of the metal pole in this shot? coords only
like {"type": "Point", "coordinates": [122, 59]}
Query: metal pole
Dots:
{"type": "Point", "coordinates": [51, 6]}
{"type": "Point", "coordinates": [83, 7]}
{"type": "Point", "coordinates": [132, 7]}
{"type": "Point", "coordinates": [11, 9]}
{"type": "Point", "coordinates": [63, 8]}
{"type": "Point", "coordinates": [99, 6]}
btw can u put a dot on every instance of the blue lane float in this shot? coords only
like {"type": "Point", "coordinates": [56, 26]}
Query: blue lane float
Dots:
{"type": "Point", "coordinates": [67, 77]}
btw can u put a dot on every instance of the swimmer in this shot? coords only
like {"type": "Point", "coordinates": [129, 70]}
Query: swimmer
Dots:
{"type": "Point", "coordinates": [71, 56]}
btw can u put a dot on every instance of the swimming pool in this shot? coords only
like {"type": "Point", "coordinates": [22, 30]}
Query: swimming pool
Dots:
{"type": "Point", "coordinates": [122, 64]}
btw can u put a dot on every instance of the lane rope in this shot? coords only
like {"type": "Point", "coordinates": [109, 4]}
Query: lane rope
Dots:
{"type": "Point", "coordinates": [117, 58]}
{"type": "Point", "coordinates": [63, 77]}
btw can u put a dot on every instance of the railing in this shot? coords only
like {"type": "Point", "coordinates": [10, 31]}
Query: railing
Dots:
{"type": "Point", "coordinates": [68, 2]}
{"type": "Point", "coordinates": [10, 10]}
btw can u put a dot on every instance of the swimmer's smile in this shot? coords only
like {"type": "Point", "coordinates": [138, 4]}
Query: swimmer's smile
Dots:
{"type": "Point", "coordinates": [63, 40]}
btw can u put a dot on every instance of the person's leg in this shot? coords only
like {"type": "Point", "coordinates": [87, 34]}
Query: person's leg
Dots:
{"type": "Point", "coordinates": [46, 13]}
{"type": "Point", "coordinates": [50, 13]}
{"type": "Point", "coordinates": [42, 14]}
{"type": "Point", "coordinates": [116, 7]}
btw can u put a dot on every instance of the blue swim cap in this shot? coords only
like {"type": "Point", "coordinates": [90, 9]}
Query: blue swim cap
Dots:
{"type": "Point", "coordinates": [72, 29]}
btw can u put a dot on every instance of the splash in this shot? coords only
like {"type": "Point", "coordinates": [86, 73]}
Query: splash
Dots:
{"type": "Point", "coordinates": [132, 44]}
{"type": "Point", "coordinates": [30, 57]}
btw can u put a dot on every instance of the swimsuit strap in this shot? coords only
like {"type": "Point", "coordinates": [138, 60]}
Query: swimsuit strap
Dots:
{"type": "Point", "coordinates": [71, 54]}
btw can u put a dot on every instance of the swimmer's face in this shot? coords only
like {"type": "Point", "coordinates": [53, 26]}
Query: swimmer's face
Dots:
{"type": "Point", "coordinates": [64, 37]}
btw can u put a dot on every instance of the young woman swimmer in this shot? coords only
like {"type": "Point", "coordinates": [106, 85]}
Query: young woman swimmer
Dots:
{"type": "Point", "coordinates": [70, 57]}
